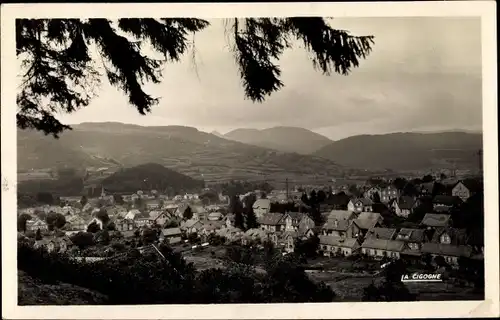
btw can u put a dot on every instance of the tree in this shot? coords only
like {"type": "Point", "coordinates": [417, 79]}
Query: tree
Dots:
{"type": "Point", "coordinates": [118, 199]}
{"type": "Point", "coordinates": [376, 197]}
{"type": "Point", "coordinates": [21, 222]}
{"type": "Point", "coordinates": [102, 237]}
{"type": "Point", "coordinates": [38, 235]}
{"type": "Point", "coordinates": [149, 236]}
{"type": "Point", "coordinates": [251, 220]}
{"type": "Point", "coordinates": [307, 248]}
{"type": "Point", "coordinates": [83, 240]}
{"type": "Point", "coordinates": [45, 197]}
{"type": "Point", "coordinates": [59, 68]}
{"type": "Point", "coordinates": [239, 220]}
{"type": "Point", "coordinates": [93, 227]}
{"type": "Point", "coordinates": [321, 196]}
{"type": "Point", "coordinates": [188, 213]}
{"type": "Point", "coordinates": [55, 220]}
{"type": "Point", "coordinates": [102, 215]}
{"type": "Point", "coordinates": [427, 178]}
{"type": "Point", "coordinates": [400, 183]}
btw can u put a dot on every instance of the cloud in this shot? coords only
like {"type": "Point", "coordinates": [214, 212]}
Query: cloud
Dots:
{"type": "Point", "coordinates": [423, 72]}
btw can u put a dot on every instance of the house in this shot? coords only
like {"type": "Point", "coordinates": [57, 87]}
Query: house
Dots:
{"type": "Point", "coordinates": [360, 205]}
{"type": "Point", "coordinates": [199, 213]}
{"type": "Point", "coordinates": [337, 228]}
{"type": "Point", "coordinates": [76, 223]}
{"type": "Point", "coordinates": [35, 224]}
{"type": "Point", "coordinates": [48, 244]}
{"type": "Point", "coordinates": [403, 206]}
{"type": "Point", "coordinates": [449, 235]}
{"type": "Point", "coordinates": [143, 221]}
{"type": "Point", "coordinates": [427, 188]}
{"type": "Point", "coordinates": [215, 216]}
{"type": "Point", "coordinates": [451, 253]}
{"type": "Point", "coordinates": [261, 207]}
{"type": "Point", "coordinates": [211, 227]}
{"type": "Point", "coordinates": [57, 244]}
{"type": "Point", "coordinates": [370, 193]}
{"type": "Point", "coordinates": [335, 246]}
{"type": "Point", "coordinates": [256, 235]}
{"type": "Point", "coordinates": [231, 234]}
{"type": "Point", "coordinates": [339, 201]}
{"type": "Point", "coordinates": [191, 226]}
{"type": "Point", "coordinates": [132, 214]}
{"type": "Point", "coordinates": [381, 233]}
{"type": "Point", "coordinates": [171, 235]}
{"type": "Point", "coordinates": [284, 241]}
{"type": "Point", "coordinates": [181, 209]}
{"type": "Point", "coordinates": [388, 193]}
{"type": "Point", "coordinates": [379, 248]}
{"type": "Point", "coordinates": [465, 189]}
{"type": "Point", "coordinates": [436, 220]}
{"type": "Point", "coordinates": [124, 225]}
{"type": "Point", "coordinates": [364, 222]}
{"type": "Point", "coordinates": [340, 215]}
{"type": "Point", "coordinates": [296, 221]}
{"type": "Point", "coordinates": [442, 203]}
{"type": "Point", "coordinates": [229, 220]}
{"type": "Point", "coordinates": [153, 204]}
{"type": "Point", "coordinates": [311, 232]}
{"type": "Point", "coordinates": [273, 221]}
{"type": "Point", "coordinates": [414, 238]}
{"type": "Point", "coordinates": [161, 217]}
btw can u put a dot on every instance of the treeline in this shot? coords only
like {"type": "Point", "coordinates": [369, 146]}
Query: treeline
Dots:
{"type": "Point", "coordinates": [62, 186]}
{"type": "Point", "coordinates": [152, 279]}
{"type": "Point", "coordinates": [237, 187]}
{"type": "Point", "coordinates": [148, 177]}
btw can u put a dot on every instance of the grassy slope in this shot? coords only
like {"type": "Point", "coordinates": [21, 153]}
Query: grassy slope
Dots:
{"type": "Point", "coordinates": [186, 150]}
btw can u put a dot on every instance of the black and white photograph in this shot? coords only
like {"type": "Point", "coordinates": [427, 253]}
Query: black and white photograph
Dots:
{"type": "Point", "coordinates": [250, 158]}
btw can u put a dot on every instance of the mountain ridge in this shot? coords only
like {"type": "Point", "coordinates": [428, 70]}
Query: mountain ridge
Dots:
{"type": "Point", "coordinates": [186, 150]}
{"type": "Point", "coordinates": [282, 138]}
{"type": "Point", "coordinates": [406, 151]}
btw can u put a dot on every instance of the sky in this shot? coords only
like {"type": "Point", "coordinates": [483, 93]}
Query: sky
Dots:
{"type": "Point", "coordinates": [424, 74]}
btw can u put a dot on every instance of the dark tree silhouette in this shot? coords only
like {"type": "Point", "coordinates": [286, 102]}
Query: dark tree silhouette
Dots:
{"type": "Point", "coordinates": [21, 222]}
{"type": "Point", "coordinates": [251, 219]}
{"type": "Point", "coordinates": [239, 220]}
{"type": "Point", "coordinates": [427, 178]}
{"type": "Point", "coordinates": [321, 196]}
{"type": "Point", "coordinates": [83, 239]}
{"type": "Point", "coordinates": [38, 235]}
{"type": "Point", "coordinates": [188, 213]}
{"type": "Point", "coordinates": [93, 227]}
{"type": "Point", "coordinates": [59, 69]}
{"type": "Point", "coordinates": [45, 198]}
{"type": "Point", "coordinates": [118, 199]}
{"type": "Point", "coordinates": [55, 220]}
{"type": "Point", "coordinates": [102, 215]}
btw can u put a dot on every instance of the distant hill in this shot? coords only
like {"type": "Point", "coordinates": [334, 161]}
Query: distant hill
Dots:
{"type": "Point", "coordinates": [217, 134]}
{"type": "Point", "coordinates": [286, 139]}
{"type": "Point", "coordinates": [186, 150]}
{"type": "Point", "coordinates": [406, 151]}
{"type": "Point", "coordinates": [150, 176]}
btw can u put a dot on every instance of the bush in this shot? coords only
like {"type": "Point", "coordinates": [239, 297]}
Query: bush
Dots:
{"type": "Point", "coordinates": [137, 279]}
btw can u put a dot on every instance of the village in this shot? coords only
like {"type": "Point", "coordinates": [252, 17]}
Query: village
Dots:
{"type": "Point", "coordinates": [348, 227]}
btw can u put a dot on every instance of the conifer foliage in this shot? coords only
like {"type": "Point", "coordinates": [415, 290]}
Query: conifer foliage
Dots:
{"type": "Point", "coordinates": [61, 74]}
